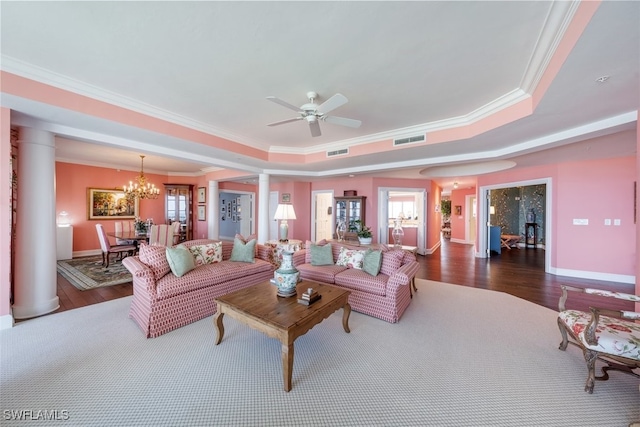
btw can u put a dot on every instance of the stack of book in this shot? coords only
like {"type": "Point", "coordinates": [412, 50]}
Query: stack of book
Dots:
{"type": "Point", "coordinates": [309, 297]}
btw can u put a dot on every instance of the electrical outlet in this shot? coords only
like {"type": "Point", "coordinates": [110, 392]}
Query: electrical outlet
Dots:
{"type": "Point", "coordinates": [607, 221]}
{"type": "Point", "coordinates": [578, 221]}
{"type": "Point", "coordinates": [616, 222]}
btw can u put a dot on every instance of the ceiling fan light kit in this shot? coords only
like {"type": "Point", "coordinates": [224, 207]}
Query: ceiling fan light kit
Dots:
{"type": "Point", "coordinates": [313, 113]}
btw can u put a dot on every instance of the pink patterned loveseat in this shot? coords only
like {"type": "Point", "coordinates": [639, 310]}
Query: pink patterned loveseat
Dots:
{"type": "Point", "coordinates": [385, 295]}
{"type": "Point", "coordinates": [163, 302]}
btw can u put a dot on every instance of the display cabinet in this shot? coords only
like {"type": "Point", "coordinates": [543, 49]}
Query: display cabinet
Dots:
{"type": "Point", "coordinates": [178, 207]}
{"type": "Point", "coordinates": [348, 210]}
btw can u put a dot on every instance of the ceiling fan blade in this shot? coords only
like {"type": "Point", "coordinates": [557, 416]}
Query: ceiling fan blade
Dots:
{"type": "Point", "coordinates": [342, 121]}
{"type": "Point", "coordinates": [315, 129]}
{"type": "Point", "coordinates": [283, 103]}
{"type": "Point", "coordinates": [332, 103]}
{"type": "Point", "coordinates": [285, 121]}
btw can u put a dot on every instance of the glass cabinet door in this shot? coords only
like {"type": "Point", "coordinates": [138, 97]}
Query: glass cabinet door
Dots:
{"type": "Point", "coordinates": [178, 208]}
{"type": "Point", "coordinates": [348, 210]}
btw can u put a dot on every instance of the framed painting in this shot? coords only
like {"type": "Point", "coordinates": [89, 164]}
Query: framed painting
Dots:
{"type": "Point", "coordinates": [110, 204]}
{"type": "Point", "coordinates": [286, 197]}
{"type": "Point", "coordinates": [202, 195]}
{"type": "Point", "coordinates": [202, 213]}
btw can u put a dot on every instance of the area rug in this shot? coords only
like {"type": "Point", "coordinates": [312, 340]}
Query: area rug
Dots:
{"type": "Point", "coordinates": [459, 356]}
{"type": "Point", "coordinates": [88, 273]}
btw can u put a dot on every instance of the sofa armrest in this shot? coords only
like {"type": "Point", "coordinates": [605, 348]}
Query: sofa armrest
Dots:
{"type": "Point", "coordinates": [402, 276]}
{"type": "Point", "coordinates": [264, 252]}
{"type": "Point", "coordinates": [299, 257]}
{"type": "Point", "coordinates": [143, 278]}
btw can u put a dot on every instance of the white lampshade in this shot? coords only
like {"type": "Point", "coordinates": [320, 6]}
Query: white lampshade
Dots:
{"type": "Point", "coordinates": [285, 211]}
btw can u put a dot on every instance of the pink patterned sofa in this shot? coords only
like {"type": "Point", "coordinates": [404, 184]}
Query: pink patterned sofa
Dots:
{"type": "Point", "coordinates": [163, 302]}
{"type": "Point", "coordinates": [385, 295]}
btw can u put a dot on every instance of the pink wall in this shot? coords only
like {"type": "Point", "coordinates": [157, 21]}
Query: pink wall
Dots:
{"type": "Point", "coordinates": [458, 222]}
{"type": "Point", "coordinates": [592, 190]}
{"type": "Point", "coordinates": [5, 212]}
{"type": "Point", "coordinates": [637, 180]}
{"type": "Point", "coordinates": [72, 182]}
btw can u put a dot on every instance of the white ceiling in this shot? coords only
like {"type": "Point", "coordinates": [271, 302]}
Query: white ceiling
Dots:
{"type": "Point", "coordinates": [406, 67]}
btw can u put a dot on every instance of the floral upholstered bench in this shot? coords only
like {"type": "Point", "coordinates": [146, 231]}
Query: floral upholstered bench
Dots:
{"type": "Point", "coordinates": [612, 336]}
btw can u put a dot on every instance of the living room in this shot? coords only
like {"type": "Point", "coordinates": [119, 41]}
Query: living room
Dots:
{"type": "Point", "coordinates": [206, 126]}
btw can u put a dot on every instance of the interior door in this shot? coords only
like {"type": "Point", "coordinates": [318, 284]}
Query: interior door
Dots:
{"type": "Point", "coordinates": [322, 221]}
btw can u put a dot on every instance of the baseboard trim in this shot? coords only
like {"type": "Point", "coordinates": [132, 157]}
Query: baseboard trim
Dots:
{"type": "Point", "coordinates": [580, 274]}
{"type": "Point", "coordinates": [91, 252]}
{"type": "Point", "coordinates": [6, 321]}
{"type": "Point", "coordinates": [464, 242]}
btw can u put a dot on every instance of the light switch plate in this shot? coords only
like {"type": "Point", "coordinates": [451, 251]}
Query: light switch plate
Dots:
{"type": "Point", "coordinates": [607, 221]}
{"type": "Point", "coordinates": [616, 222]}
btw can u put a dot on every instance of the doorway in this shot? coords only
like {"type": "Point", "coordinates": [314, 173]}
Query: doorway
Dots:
{"type": "Point", "coordinates": [410, 203]}
{"type": "Point", "coordinates": [508, 210]}
{"type": "Point", "coordinates": [237, 213]}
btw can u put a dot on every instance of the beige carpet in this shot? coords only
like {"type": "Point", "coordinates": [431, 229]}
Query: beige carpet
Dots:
{"type": "Point", "coordinates": [459, 357]}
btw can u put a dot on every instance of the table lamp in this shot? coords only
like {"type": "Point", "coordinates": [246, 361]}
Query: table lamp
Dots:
{"type": "Point", "coordinates": [284, 212]}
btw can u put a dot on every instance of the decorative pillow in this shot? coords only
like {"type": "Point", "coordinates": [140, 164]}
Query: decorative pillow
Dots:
{"type": "Point", "coordinates": [243, 252]}
{"type": "Point", "coordinates": [391, 261]}
{"type": "Point", "coordinates": [321, 255]}
{"type": "Point", "coordinates": [372, 262]}
{"type": "Point", "coordinates": [308, 243]}
{"type": "Point", "coordinates": [206, 254]}
{"type": "Point", "coordinates": [248, 239]}
{"type": "Point", "coordinates": [350, 258]}
{"type": "Point", "coordinates": [154, 257]}
{"type": "Point", "coordinates": [180, 260]}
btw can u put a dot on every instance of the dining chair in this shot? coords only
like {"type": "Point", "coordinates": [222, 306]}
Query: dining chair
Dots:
{"type": "Point", "coordinates": [161, 235]}
{"type": "Point", "coordinates": [176, 232]}
{"type": "Point", "coordinates": [124, 227]}
{"type": "Point", "coordinates": [107, 249]}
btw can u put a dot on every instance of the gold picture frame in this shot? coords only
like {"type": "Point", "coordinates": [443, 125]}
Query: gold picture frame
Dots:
{"type": "Point", "coordinates": [104, 203]}
{"type": "Point", "coordinates": [202, 213]}
{"type": "Point", "coordinates": [202, 195]}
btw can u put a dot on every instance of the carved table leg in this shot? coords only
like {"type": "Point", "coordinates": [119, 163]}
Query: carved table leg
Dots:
{"type": "Point", "coordinates": [287, 365]}
{"type": "Point", "coordinates": [590, 357]}
{"type": "Point", "coordinates": [345, 317]}
{"type": "Point", "coordinates": [217, 320]}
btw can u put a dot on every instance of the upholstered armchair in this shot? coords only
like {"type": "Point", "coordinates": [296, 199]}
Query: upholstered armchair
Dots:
{"type": "Point", "coordinates": [611, 336]}
{"type": "Point", "coordinates": [108, 249]}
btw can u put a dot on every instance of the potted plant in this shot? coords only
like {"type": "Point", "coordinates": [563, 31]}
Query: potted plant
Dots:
{"type": "Point", "coordinates": [364, 233]}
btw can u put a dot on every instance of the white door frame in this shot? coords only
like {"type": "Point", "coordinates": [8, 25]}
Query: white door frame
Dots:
{"type": "Point", "coordinates": [469, 214]}
{"type": "Point", "coordinates": [421, 211]}
{"type": "Point", "coordinates": [483, 217]}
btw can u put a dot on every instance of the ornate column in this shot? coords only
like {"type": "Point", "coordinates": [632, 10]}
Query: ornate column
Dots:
{"type": "Point", "coordinates": [35, 263]}
{"type": "Point", "coordinates": [263, 208]}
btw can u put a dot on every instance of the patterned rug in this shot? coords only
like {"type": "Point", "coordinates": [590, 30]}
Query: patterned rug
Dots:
{"type": "Point", "coordinates": [88, 273]}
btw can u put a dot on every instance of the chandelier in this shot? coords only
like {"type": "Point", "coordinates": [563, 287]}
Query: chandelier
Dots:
{"type": "Point", "coordinates": [141, 189]}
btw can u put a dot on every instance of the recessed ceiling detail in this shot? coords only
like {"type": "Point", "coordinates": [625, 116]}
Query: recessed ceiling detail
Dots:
{"type": "Point", "coordinates": [468, 169]}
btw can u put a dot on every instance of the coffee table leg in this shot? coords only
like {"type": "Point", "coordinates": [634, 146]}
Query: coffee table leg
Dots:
{"type": "Point", "coordinates": [217, 320]}
{"type": "Point", "coordinates": [345, 317]}
{"type": "Point", "coordinates": [287, 365]}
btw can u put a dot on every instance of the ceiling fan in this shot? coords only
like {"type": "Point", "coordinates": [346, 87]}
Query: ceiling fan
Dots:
{"type": "Point", "coordinates": [313, 113]}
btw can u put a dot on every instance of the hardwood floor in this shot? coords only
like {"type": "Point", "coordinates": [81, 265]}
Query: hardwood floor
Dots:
{"type": "Point", "coordinates": [519, 272]}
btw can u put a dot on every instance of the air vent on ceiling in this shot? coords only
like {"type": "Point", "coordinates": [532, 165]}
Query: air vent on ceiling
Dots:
{"type": "Point", "coordinates": [409, 140]}
{"type": "Point", "coordinates": [338, 152]}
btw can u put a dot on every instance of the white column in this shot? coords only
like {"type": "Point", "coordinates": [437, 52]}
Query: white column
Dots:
{"type": "Point", "coordinates": [263, 208]}
{"type": "Point", "coordinates": [35, 264]}
{"type": "Point", "coordinates": [213, 209]}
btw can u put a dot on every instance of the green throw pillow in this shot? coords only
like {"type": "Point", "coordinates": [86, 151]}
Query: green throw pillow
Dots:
{"type": "Point", "coordinates": [321, 255]}
{"type": "Point", "coordinates": [372, 262]}
{"type": "Point", "coordinates": [180, 260]}
{"type": "Point", "coordinates": [243, 252]}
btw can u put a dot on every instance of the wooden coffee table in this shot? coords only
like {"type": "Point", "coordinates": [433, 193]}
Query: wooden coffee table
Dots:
{"type": "Point", "coordinates": [282, 318]}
